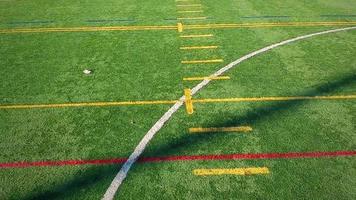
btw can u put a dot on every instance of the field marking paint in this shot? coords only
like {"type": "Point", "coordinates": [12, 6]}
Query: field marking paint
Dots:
{"type": "Point", "coordinates": [189, 5]}
{"type": "Point", "coordinates": [257, 99]}
{"type": "Point", "coordinates": [87, 104]}
{"type": "Point", "coordinates": [197, 26]}
{"type": "Point", "coordinates": [162, 102]}
{"type": "Point", "coordinates": [191, 18]}
{"type": "Point", "coordinates": [196, 36]}
{"type": "Point", "coordinates": [198, 47]}
{"type": "Point", "coordinates": [188, 101]}
{"type": "Point", "coordinates": [190, 11]}
{"type": "Point", "coordinates": [234, 171]}
{"type": "Point", "coordinates": [206, 77]}
{"type": "Point", "coordinates": [202, 61]}
{"type": "Point", "coordinates": [220, 129]}
{"type": "Point", "coordinates": [239, 156]}
{"type": "Point", "coordinates": [121, 175]}
{"type": "Point", "coordinates": [180, 27]}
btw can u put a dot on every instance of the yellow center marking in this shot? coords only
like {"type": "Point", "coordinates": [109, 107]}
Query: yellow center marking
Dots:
{"type": "Point", "coordinates": [202, 61]}
{"type": "Point", "coordinates": [196, 36]}
{"type": "Point", "coordinates": [188, 101]}
{"type": "Point", "coordinates": [206, 77]}
{"type": "Point", "coordinates": [198, 26]}
{"type": "Point", "coordinates": [220, 129]}
{"type": "Point", "coordinates": [128, 103]}
{"type": "Point", "coordinates": [190, 18]}
{"type": "Point", "coordinates": [180, 27]}
{"type": "Point", "coordinates": [233, 171]}
{"type": "Point", "coordinates": [198, 47]}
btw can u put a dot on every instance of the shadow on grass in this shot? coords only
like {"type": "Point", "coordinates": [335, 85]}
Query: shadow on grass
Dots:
{"type": "Point", "coordinates": [101, 175]}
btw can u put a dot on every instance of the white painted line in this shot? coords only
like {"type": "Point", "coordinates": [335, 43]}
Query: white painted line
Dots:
{"type": "Point", "coordinates": [115, 184]}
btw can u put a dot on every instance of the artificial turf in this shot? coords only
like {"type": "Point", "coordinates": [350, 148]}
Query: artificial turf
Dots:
{"type": "Point", "coordinates": [41, 68]}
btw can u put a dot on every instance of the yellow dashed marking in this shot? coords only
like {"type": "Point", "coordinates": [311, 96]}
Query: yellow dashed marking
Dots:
{"type": "Point", "coordinates": [196, 36]}
{"type": "Point", "coordinates": [190, 11]}
{"type": "Point", "coordinates": [234, 171]}
{"type": "Point", "coordinates": [206, 77]}
{"type": "Point", "coordinates": [220, 129]}
{"type": "Point", "coordinates": [188, 101]}
{"type": "Point", "coordinates": [190, 18]}
{"type": "Point", "coordinates": [202, 61]}
{"type": "Point", "coordinates": [198, 47]}
{"type": "Point", "coordinates": [189, 5]}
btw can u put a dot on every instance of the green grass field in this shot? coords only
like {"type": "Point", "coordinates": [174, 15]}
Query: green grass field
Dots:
{"type": "Point", "coordinates": [45, 46]}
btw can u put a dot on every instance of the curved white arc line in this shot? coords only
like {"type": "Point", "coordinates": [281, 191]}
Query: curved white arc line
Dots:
{"type": "Point", "coordinates": [115, 184]}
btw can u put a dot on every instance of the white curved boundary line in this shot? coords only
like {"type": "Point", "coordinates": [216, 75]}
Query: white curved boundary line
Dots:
{"type": "Point", "coordinates": [110, 192]}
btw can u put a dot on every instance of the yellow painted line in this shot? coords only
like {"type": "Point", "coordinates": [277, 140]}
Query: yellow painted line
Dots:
{"type": "Point", "coordinates": [220, 129]}
{"type": "Point", "coordinates": [233, 171]}
{"type": "Point", "coordinates": [206, 77]}
{"type": "Point", "coordinates": [266, 25]}
{"type": "Point", "coordinates": [196, 36]}
{"type": "Point", "coordinates": [202, 61]}
{"type": "Point", "coordinates": [189, 5]}
{"type": "Point", "coordinates": [87, 104]}
{"type": "Point", "coordinates": [180, 27]}
{"type": "Point", "coordinates": [191, 18]}
{"type": "Point", "coordinates": [197, 26]}
{"type": "Point", "coordinates": [188, 101]}
{"type": "Point", "coordinates": [198, 47]}
{"type": "Point", "coordinates": [87, 29]}
{"type": "Point", "coordinates": [154, 102]}
{"type": "Point", "coordinates": [190, 11]}
{"type": "Point", "coordinates": [256, 99]}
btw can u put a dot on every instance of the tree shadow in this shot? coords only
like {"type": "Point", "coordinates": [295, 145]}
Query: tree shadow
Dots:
{"type": "Point", "coordinates": [95, 176]}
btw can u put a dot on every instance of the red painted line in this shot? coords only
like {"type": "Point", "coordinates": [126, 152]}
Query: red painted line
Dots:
{"type": "Point", "coordinates": [240, 156]}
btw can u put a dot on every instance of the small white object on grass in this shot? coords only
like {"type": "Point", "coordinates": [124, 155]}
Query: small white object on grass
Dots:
{"type": "Point", "coordinates": [87, 71]}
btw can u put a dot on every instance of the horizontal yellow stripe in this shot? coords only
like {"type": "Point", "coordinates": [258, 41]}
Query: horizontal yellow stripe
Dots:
{"type": "Point", "coordinates": [199, 47]}
{"type": "Point", "coordinates": [87, 104]}
{"type": "Point", "coordinates": [198, 26]}
{"type": "Point", "coordinates": [190, 18]}
{"type": "Point", "coordinates": [127, 103]}
{"type": "Point", "coordinates": [234, 171]}
{"type": "Point", "coordinates": [201, 61]}
{"type": "Point", "coordinates": [220, 129]}
{"type": "Point", "coordinates": [190, 11]}
{"type": "Point", "coordinates": [206, 77]}
{"type": "Point", "coordinates": [196, 36]}
{"type": "Point", "coordinates": [189, 5]}
{"type": "Point", "coordinates": [254, 99]}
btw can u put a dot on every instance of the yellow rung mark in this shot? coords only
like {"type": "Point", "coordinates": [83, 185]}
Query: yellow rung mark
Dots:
{"type": "Point", "coordinates": [190, 11]}
{"type": "Point", "coordinates": [196, 36]}
{"type": "Point", "coordinates": [198, 47]}
{"type": "Point", "coordinates": [220, 129]}
{"type": "Point", "coordinates": [189, 5]}
{"type": "Point", "coordinates": [202, 61]}
{"type": "Point", "coordinates": [233, 171]}
{"type": "Point", "coordinates": [190, 18]}
{"type": "Point", "coordinates": [188, 101]}
{"type": "Point", "coordinates": [206, 77]}
{"type": "Point", "coordinates": [180, 27]}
